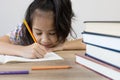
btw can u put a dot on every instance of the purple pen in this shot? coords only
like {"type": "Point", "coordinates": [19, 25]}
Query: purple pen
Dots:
{"type": "Point", "coordinates": [14, 72]}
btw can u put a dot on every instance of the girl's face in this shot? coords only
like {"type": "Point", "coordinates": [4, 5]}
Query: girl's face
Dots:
{"type": "Point", "coordinates": [43, 28]}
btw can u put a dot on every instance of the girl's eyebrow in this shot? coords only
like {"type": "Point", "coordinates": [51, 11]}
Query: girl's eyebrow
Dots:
{"type": "Point", "coordinates": [37, 29]}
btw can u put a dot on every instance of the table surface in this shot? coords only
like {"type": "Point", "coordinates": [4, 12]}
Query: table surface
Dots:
{"type": "Point", "coordinates": [77, 72]}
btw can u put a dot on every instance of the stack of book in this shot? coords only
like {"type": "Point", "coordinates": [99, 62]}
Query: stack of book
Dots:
{"type": "Point", "coordinates": [102, 55]}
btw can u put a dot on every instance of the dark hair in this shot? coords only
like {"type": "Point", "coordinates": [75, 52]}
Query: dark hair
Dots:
{"type": "Point", "coordinates": [63, 13]}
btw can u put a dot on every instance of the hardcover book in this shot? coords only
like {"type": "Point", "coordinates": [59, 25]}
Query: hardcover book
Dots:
{"type": "Point", "coordinates": [111, 28]}
{"type": "Point", "coordinates": [108, 42]}
{"type": "Point", "coordinates": [108, 56]}
{"type": "Point", "coordinates": [103, 69]}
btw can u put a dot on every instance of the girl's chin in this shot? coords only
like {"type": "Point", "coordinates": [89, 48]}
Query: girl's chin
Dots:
{"type": "Point", "coordinates": [51, 46]}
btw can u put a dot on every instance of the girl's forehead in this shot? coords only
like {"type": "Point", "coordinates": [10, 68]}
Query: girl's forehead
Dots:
{"type": "Point", "coordinates": [44, 14]}
{"type": "Point", "coordinates": [43, 20]}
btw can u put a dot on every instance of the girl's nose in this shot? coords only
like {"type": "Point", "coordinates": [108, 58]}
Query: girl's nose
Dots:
{"type": "Point", "coordinates": [44, 39]}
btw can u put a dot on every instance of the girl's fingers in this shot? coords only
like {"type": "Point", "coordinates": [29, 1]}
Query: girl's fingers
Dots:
{"type": "Point", "coordinates": [42, 48]}
{"type": "Point", "coordinates": [40, 51]}
{"type": "Point", "coordinates": [37, 54]}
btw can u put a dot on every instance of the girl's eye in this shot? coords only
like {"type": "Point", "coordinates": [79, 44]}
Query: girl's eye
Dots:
{"type": "Point", "coordinates": [52, 33]}
{"type": "Point", "coordinates": [38, 33]}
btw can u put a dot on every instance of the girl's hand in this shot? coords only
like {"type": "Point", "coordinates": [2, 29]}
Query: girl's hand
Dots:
{"type": "Point", "coordinates": [33, 51]}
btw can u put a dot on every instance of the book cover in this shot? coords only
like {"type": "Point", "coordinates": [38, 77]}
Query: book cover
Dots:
{"type": "Point", "coordinates": [101, 68]}
{"type": "Point", "coordinates": [103, 27]}
{"type": "Point", "coordinates": [49, 56]}
{"type": "Point", "coordinates": [104, 55]}
{"type": "Point", "coordinates": [108, 42]}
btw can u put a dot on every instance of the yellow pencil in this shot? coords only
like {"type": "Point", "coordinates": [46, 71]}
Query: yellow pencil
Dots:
{"type": "Point", "coordinates": [28, 28]}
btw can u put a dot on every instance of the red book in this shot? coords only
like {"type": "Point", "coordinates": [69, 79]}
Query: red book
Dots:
{"type": "Point", "coordinates": [98, 67]}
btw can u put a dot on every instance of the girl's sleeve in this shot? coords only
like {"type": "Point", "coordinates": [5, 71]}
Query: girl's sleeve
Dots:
{"type": "Point", "coordinates": [15, 34]}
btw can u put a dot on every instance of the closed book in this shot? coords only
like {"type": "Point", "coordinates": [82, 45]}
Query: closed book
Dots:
{"type": "Point", "coordinates": [101, 68]}
{"type": "Point", "coordinates": [107, 56]}
{"type": "Point", "coordinates": [108, 42]}
{"type": "Point", "coordinates": [103, 27]}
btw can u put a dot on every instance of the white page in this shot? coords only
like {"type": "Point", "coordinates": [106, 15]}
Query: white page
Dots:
{"type": "Point", "coordinates": [48, 56]}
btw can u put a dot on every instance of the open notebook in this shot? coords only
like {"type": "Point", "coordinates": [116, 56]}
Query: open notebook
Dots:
{"type": "Point", "coordinates": [49, 56]}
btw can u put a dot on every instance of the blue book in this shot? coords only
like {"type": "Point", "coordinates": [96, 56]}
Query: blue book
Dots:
{"type": "Point", "coordinates": [103, 55]}
{"type": "Point", "coordinates": [102, 40]}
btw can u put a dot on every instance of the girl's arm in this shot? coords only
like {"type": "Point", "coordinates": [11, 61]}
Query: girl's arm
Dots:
{"type": "Point", "coordinates": [7, 48]}
{"type": "Point", "coordinates": [31, 51]}
{"type": "Point", "coordinates": [74, 44]}
{"type": "Point", "coordinates": [70, 45]}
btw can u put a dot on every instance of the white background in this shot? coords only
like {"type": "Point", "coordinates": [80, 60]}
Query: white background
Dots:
{"type": "Point", "coordinates": [12, 13]}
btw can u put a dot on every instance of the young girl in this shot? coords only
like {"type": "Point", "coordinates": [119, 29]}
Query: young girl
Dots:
{"type": "Point", "coordinates": [50, 23]}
